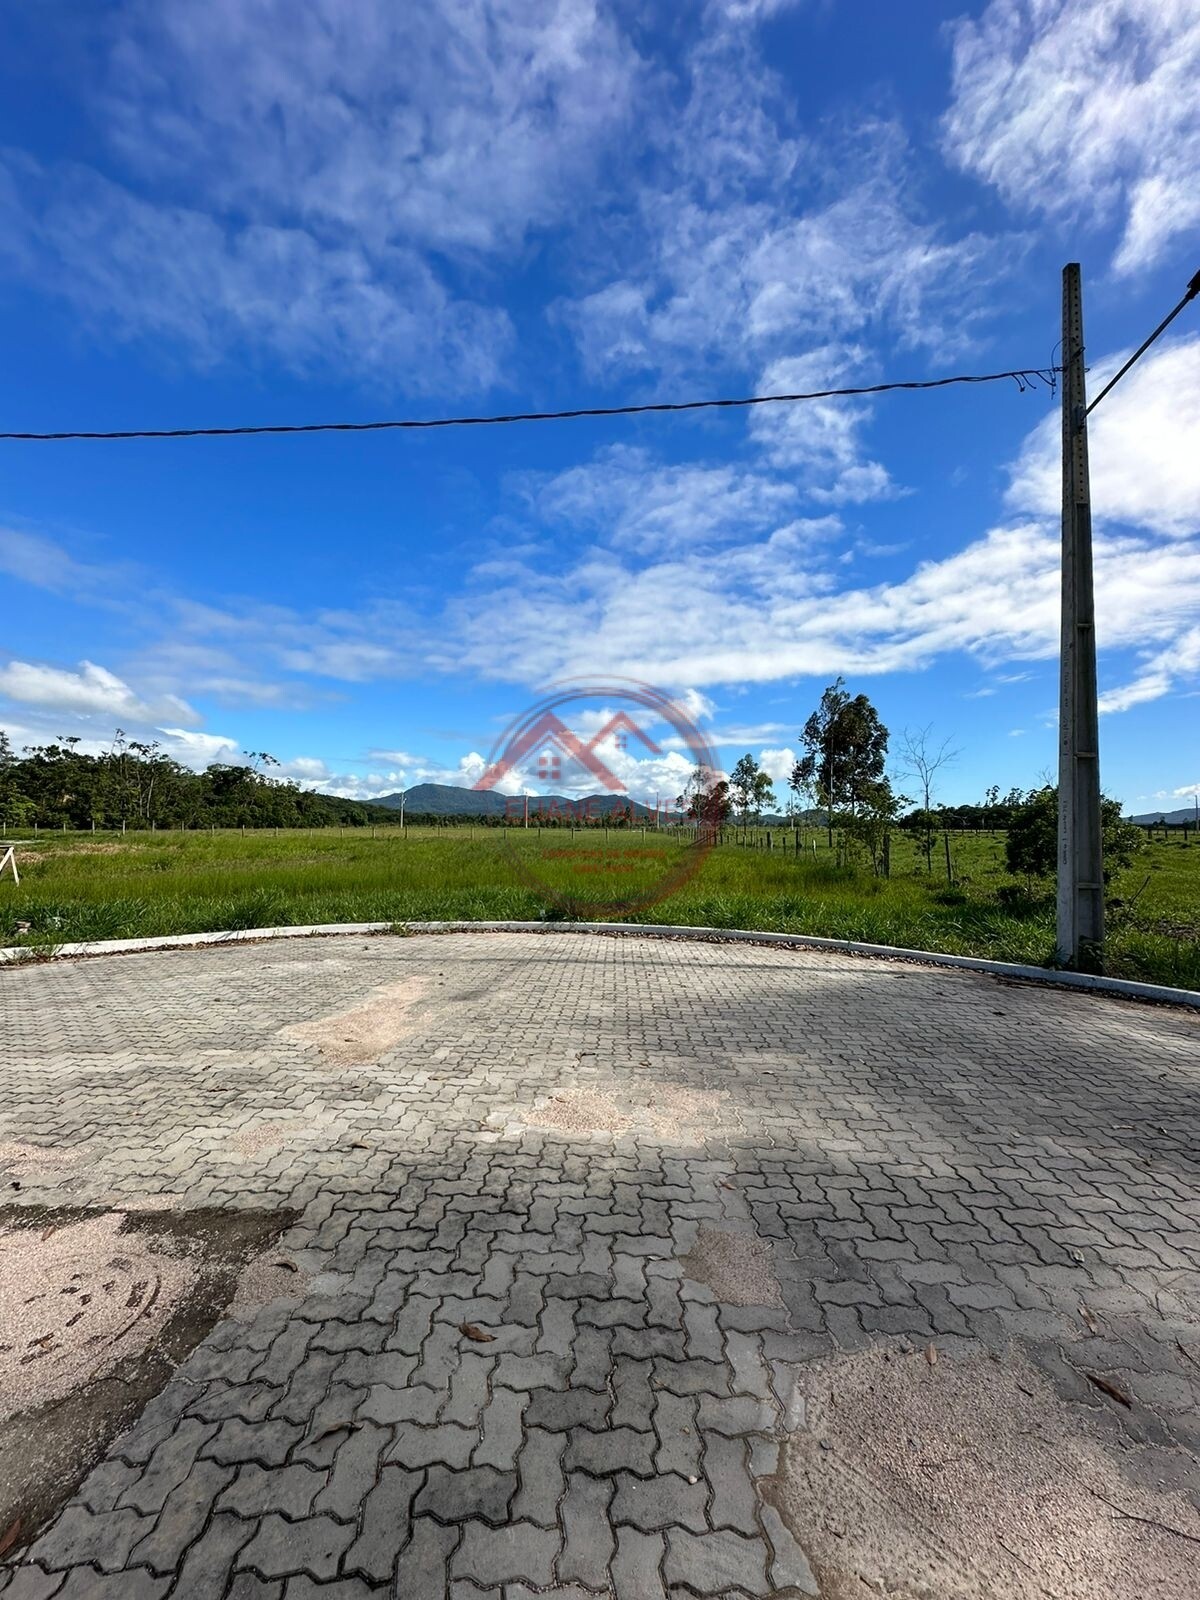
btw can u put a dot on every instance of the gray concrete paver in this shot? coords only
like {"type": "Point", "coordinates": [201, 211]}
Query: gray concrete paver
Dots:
{"type": "Point", "coordinates": [929, 1156]}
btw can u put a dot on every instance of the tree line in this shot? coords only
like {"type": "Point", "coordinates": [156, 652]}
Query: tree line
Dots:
{"type": "Point", "coordinates": [138, 785]}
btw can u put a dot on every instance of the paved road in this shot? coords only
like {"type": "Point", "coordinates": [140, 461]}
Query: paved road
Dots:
{"type": "Point", "coordinates": [859, 1151]}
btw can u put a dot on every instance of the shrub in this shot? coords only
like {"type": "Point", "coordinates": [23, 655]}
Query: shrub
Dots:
{"type": "Point", "coordinates": [1032, 847]}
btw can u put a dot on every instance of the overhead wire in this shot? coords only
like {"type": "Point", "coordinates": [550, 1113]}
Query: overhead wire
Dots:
{"type": "Point", "coordinates": [1024, 377]}
{"type": "Point", "coordinates": [1193, 289]}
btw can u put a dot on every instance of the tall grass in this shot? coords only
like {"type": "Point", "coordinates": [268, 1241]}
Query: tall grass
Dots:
{"type": "Point", "coordinates": [80, 888]}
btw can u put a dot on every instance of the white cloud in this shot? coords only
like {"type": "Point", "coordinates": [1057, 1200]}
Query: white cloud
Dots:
{"type": "Point", "coordinates": [378, 640]}
{"type": "Point", "coordinates": [41, 724]}
{"type": "Point", "coordinates": [777, 764]}
{"type": "Point", "coordinates": [630, 500]}
{"type": "Point", "coordinates": [747, 245]}
{"type": "Point", "coordinates": [753, 240]}
{"type": "Point", "coordinates": [697, 706]}
{"type": "Point", "coordinates": [1148, 686]}
{"type": "Point", "coordinates": [820, 438]}
{"type": "Point", "coordinates": [199, 750]}
{"type": "Point", "coordinates": [410, 770]}
{"type": "Point", "coordinates": [32, 558]}
{"type": "Point", "coordinates": [458, 124]}
{"type": "Point", "coordinates": [348, 174]}
{"type": "Point", "coordinates": [1145, 464]}
{"type": "Point", "coordinates": [362, 786]}
{"type": "Point", "coordinates": [760, 611]}
{"type": "Point", "coordinates": [1145, 475]}
{"type": "Point", "coordinates": [307, 771]}
{"type": "Point", "coordinates": [745, 281]}
{"type": "Point", "coordinates": [1085, 109]}
{"type": "Point", "coordinates": [137, 269]}
{"type": "Point", "coordinates": [399, 758]}
{"type": "Point", "coordinates": [92, 691]}
{"type": "Point", "coordinates": [1160, 672]}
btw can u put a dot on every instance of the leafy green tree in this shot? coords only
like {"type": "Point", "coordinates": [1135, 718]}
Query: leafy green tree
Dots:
{"type": "Point", "coordinates": [706, 798]}
{"type": "Point", "coordinates": [750, 788]}
{"type": "Point", "coordinates": [871, 822]}
{"type": "Point", "coordinates": [1031, 849]}
{"type": "Point", "coordinates": [8, 784]}
{"type": "Point", "coordinates": [845, 749]}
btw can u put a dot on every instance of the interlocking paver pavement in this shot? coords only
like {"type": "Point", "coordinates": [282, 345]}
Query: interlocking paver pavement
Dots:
{"type": "Point", "coordinates": [929, 1156]}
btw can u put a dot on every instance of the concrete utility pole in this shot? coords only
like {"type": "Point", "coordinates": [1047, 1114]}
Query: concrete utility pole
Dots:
{"type": "Point", "coordinates": [1080, 859]}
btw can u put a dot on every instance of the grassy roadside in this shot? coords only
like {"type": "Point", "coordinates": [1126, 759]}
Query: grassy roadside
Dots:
{"type": "Point", "coordinates": [78, 886]}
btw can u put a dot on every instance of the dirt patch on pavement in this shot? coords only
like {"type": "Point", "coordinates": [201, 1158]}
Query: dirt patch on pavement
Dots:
{"type": "Point", "coordinates": [69, 1387]}
{"type": "Point", "coordinates": [579, 1111]}
{"type": "Point", "coordinates": [74, 1300]}
{"type": "Point", "coordinates": [367, 1031]}
{"type": "Point", "coordinates": [262, 1136]}
{"type": "Point", "coordinates": [19, 1161]}
{"type": "Point", "coordinates": [270, 1276]}
{"type": "Point", "coordinates": [739, 1268]}
{"type": "Point", "coordinates": [970, 1480]}
{"type": "Point", "coordinates": [676, 1115]}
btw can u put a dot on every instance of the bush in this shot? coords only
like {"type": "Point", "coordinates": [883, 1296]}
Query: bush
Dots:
{"type": "Point", "coordinates": [1031, 850]}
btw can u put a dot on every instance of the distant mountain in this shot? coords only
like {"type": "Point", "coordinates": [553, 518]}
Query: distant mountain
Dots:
{"type": "Point", "coordinates": [448, 800]}
{"type": "Point", "coordinates": [1186, 814]}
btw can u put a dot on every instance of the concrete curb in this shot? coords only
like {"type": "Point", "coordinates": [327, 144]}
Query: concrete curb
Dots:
{"type": "Point", "coordinates": [1161, 994]}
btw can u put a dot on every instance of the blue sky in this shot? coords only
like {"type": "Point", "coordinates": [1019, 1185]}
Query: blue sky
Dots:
{"type": "Point", "coordinates": [217, 211]}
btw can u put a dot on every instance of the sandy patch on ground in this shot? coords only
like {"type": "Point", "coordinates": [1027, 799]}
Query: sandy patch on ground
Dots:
{"type": "Point", "coordinates": [75, 1300]}
{"type": "Point", "coordinates": [970, 1480]}
{"type": "Point", "coordinates": [271, 1276]}
{"type": "Point", "coordinates": [32, 1160]}
{"type": "Point", "coordinates": [262, 1136]}
{"type": "Point", "coordinates": [47, 1451]}
{"type": "Point", "coordinates": [364, 1032]}
{"type": "Point", "coordinates": [676, 1115]}
{"type": "Point", "coordinates": [579, 1111]}
{"type": "Point", "coordinates": [739, 1268]}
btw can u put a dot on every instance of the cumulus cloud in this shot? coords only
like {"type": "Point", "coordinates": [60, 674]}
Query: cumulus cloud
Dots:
{"type": "Point", "coordinates": [777, 764]}
{"type": "Point", "coordinates": [92, 691]}
{"type": "Point", "coordinates": [1145, 466]}
{"type": "Point", "coordinates": [696, 705]}
{"type": "Point", "coordinates": [195, 749]}
{"type": "Point", "coordinates": [1085, 109]}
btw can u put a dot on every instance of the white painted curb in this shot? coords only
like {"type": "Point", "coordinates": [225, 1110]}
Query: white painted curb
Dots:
{"type": "Point", "coordinates": [1161, 993]}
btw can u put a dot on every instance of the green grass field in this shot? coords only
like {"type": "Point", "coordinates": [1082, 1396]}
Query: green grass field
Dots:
{"type": "Point", "coordinates": [79, 886]}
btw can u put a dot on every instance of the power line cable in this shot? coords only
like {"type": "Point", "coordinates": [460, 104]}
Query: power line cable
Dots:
{"type": "Point", "coordinates": [1024, 377]}
{"type": "Point", "coordinates": [1193, 289]}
